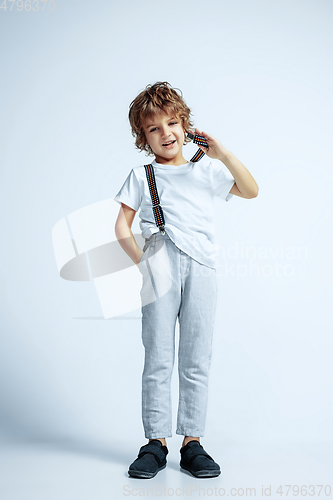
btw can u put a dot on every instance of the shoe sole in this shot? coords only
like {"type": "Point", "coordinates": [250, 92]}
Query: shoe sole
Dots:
{"type": "Point", "coordinates": [144, 474]}
{"type": "Point", "coordinates": [202, 473]}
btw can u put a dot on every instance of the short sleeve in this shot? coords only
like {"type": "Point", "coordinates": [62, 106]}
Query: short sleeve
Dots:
{"type": "Point", "coordinates": [222, 180]}
{"type": "Point", "coordinates": [130, 193]}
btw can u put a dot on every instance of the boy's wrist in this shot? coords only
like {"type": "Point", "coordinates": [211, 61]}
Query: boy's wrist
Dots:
{"type": "Point", "coordinates": [224, 154]}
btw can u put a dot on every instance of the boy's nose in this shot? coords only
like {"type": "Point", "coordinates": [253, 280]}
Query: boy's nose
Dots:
{"type": "Point", "coordinates": [165, 130]}
{"type": "Point", "coordinates": [166, 134]}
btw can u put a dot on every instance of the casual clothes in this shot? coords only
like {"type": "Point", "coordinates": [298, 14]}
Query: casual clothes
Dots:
{"type": "Point", "coordinates": [178, 281]}
{"type": "Point", "coordinates": [186, 195]}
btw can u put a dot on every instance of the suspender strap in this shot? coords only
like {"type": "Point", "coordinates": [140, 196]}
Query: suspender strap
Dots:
{"type": "Point", "coordinates": [157, 209]}
{"type": "Point", "coordinates": [198, 155]}
{"type": "Point", "coordinates": [198, 139]}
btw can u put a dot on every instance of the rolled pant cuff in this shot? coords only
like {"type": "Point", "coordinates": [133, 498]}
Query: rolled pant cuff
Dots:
{"type": "Point", "coordinates": [189, 432]}
{"type": "Point", "coordinates": [155, 435]}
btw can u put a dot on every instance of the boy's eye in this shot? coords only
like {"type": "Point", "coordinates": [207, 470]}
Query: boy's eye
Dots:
{"type": "Point", "coordinates": [171, 123]}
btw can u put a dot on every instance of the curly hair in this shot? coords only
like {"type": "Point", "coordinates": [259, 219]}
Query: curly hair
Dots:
{"type": "Point", "coordinates": [154, 99]}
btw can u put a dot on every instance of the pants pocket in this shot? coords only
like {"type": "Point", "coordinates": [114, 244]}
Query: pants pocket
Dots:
{"type": "Point", "coordinates": [146, 246]}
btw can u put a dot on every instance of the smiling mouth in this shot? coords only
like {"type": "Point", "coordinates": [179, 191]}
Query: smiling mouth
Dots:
{"type": "Point", "coordinates": [169, 143]}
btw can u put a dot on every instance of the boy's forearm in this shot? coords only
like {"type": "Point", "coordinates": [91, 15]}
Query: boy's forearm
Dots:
{"type": "Point", "coordinates": [244, 180]}
{"type": "Point", "coordinates": [127, 241]}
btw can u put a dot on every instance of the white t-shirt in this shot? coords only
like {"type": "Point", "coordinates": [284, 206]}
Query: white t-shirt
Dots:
{"type": "Point", "coordinates": [186, 196]}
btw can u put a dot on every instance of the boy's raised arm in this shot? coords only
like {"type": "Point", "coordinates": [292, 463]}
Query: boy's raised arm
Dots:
{"type": "Point", "coordinates": [245, 185]}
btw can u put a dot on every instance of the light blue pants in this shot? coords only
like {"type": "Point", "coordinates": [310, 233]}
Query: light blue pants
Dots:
{"type": "Point", "coordinates": [175, 286]}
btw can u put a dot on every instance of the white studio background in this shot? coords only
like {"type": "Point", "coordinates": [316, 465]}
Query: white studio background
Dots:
{"type": "Point", "coordinates": [258, 76]}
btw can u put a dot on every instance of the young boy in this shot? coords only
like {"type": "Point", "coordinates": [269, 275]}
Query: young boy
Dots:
{"type": "Point", "coordinates": [178, 271]}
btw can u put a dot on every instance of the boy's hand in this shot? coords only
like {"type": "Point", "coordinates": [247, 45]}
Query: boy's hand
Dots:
{"type": "Point", "coordinates": [215, 149]}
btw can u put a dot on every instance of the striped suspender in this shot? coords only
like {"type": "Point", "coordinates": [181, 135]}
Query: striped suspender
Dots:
{"type": "Point", "coordinates": [198, 155]}
{"type": "Point", "coordinates": [157, 209]}
{"type": "Point", "coordinates": [198, 139]}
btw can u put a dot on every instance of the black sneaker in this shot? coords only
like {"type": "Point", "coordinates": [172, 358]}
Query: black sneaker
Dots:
{"type": "Point", "coordinates": [151, 459]}
{"type": "Point", "coordinates": [196, 460]}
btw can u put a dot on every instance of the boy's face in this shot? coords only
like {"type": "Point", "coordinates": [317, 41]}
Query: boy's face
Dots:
{"type": "Point", "coordinates": [165, 135]}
